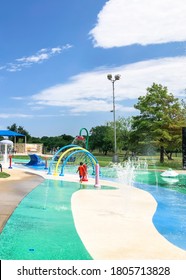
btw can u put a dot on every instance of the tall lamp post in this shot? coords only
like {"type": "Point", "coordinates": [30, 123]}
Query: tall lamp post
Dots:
{"type": "Point", "coordinates": [113, 80]}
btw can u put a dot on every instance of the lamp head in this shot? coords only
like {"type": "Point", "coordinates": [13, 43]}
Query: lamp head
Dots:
{"type": "Point", "coordinates": [117, 77]}
{"type": "Point", "coordinates": [109, 77]}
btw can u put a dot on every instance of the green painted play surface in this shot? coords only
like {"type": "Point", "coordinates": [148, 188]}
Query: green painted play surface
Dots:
{"type": "Point", "coordinates": [42, 226]}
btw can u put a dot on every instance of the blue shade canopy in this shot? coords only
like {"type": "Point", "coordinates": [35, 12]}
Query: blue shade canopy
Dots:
{"type": "Point", "coordinates": [10, 133]}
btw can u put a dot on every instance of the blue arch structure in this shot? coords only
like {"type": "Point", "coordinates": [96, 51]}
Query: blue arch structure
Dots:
{"type": "Point", "coordinates": [56, 154]}
{"type": "Point", "coordinates": [91, 157]}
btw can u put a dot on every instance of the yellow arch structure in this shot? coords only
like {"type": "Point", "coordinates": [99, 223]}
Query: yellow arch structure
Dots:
{"type": "Point", "coordinates": [63, 154]}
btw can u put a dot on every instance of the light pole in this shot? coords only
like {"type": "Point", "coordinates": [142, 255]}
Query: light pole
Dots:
{"type": "Point", "coordinates": [113, 80]}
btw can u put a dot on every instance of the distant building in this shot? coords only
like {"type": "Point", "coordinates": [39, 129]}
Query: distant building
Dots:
{"type": "Point", "coordinates": [26, 148]}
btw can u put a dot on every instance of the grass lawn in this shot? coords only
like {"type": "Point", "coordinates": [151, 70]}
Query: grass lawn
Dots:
{"type": "Point", "coordinates": [4, 175]}
{"type": "Point", "coordinates": [152, 161]}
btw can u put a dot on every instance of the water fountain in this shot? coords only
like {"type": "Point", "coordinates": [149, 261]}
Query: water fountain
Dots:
{"type": "Point", "coordinates": [125, 172]}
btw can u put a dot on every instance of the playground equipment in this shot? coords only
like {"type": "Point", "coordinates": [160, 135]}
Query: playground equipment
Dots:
{"type": "Point", "coordinates": [64, 157]}
{"type": "Point", "coordinates": [5, 148]}
{"type": "Point", "coordinates": [87, 136]}
{"type": "Point", "coordinates": [35, 160]}
{"type": "Point", "coordinates": [81, 140]}
{"type": "Point", "coordinates": [97, 184]}
{"type": "Point", "coordinates": [92, 159]}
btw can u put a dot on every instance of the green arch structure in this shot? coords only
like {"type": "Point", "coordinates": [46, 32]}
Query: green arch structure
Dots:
{"type": "Point", "coordinates": [87, 136]}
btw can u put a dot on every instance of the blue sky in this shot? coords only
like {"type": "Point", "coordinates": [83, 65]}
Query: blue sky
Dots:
{"type": "Point", "coordinates": [55, 56]}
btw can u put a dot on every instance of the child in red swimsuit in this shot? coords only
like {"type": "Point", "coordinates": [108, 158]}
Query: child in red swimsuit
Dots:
{"type": "Point", "coordinates": [81, 171]}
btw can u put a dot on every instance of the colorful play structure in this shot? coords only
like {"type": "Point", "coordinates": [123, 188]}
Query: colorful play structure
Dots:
{"type": "Point", "coordinates": [82, 139]}
{"type": "Point", "coordinates": [73, 154]}
{"type": "Point", "coordinates": [66, 155]}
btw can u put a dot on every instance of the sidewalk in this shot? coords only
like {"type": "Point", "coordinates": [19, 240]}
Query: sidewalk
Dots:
{"type": "Point", "coordinates": [13, 189]}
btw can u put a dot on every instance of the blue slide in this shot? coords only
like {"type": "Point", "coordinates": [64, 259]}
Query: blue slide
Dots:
{"type": "Point", "coordinates": [35, 160]}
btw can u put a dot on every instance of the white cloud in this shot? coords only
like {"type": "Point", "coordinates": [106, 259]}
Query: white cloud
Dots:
{"type": "Point", "coordinates": [17, 97]}
{"type": "Point", "coordinates": [37, 108]}
{"type": "Point", "coordinates": [92, 92]}
{"type": "Point", "coordinates": [26, 116]}
{"type": "Point", "coordinates": [56, 50]}
{"type": "Point", "coordinates": [11, 67]}
{"type": "Point", "coordinates": [34, 58]}
{"type": "Point", "coordinates": [124, 22]}
{"type": "Point", "coordinates": [7, 116]}
{"type": "Point", "coordinates": [27, 61]}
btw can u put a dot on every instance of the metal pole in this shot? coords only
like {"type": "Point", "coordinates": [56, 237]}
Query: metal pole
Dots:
{"type": "Point", "coordinates": [114, 120]}
{"type": "Point", "coordinates": [116, 78]}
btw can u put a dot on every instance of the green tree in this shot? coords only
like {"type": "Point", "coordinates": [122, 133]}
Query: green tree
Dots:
{"type": "Point", "coordinates": [160, 121]}
{"type": "Point", "coordinates": [183, 103]}
{"type": "Point", "coordinates": [101, 138]}
{"type": "Point", "coordinates": [21, 130]}
{"type": "Point", "coordinates": [56, 142]}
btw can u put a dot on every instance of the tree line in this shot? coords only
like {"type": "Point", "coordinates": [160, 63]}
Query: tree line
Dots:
{"type": "Point", "coordinates": [157, 127]}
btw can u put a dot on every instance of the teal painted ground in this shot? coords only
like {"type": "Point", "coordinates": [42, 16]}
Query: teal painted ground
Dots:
{"type": "Point", "coordinates": [42, 226]}
{"type": "Point", "coordinates": [154, 178]}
